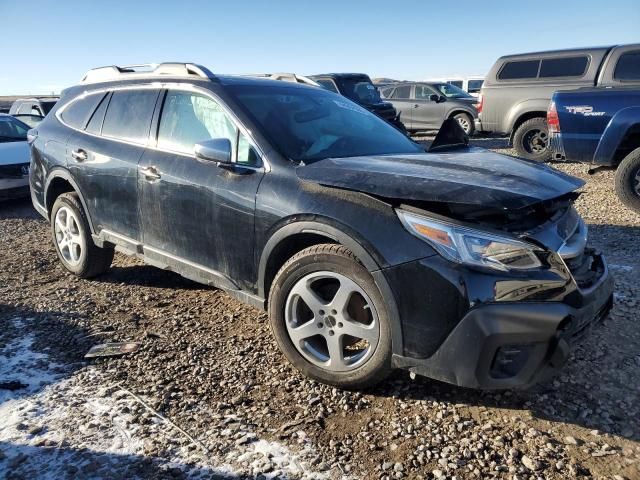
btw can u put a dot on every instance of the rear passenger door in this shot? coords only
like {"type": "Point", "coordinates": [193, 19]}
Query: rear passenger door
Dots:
{"type": "Point", "coordinates": [104, 156]}
{"type": "Point", "coordinates": [195, 212]}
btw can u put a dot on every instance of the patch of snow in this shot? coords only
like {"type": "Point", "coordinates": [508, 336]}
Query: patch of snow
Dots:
{"type": "Point", "coordinates": [621, 268]}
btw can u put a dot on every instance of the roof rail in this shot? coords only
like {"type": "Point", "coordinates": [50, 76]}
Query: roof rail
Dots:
{"type": "Point", "coordinates": [169, 69]}
{"type": "Point", "coordinates": [288, 77]}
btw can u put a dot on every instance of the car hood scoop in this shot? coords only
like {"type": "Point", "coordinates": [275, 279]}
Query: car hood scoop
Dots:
{"type": "Point", "coordinates": [468, 176]}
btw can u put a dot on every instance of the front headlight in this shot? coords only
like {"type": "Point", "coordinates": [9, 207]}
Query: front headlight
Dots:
{"type": "Point", "coordinates": [472, 247]}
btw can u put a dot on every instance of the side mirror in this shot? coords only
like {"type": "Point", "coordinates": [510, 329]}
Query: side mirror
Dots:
{"type": "Point", "coordinates": [214, 150]}
{"type": "Point", "coordinates": [434, 97]}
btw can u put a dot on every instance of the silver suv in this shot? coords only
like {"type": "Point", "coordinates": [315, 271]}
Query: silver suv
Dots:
{"type": "Point", "coordinates": [425, 105]}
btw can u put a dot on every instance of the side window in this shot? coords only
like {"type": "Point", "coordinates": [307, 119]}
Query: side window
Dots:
{"type": "Point", "coordinates": [77, 112]}
{"type": "Point", "coordinates": [328, 85]}
{"type": "Point", "coordinates": [628, 66]}
{"type": "Point", "coordinates": [402, 92]}
{"type": "Point", "coordinates": [475, 86]}
{"type": "Point", "coordinates": [563, 67]}
{"type": "Point", "coordinates": [456, 83]}
{"type": "Point", "coordinates": [386, 92]}
{"type": "Point", "coordinates": [246, 154]}
{"type": "Point", "coordinates": [129, 115]}
{"type": "Point", "coordinates": [95, 123]}
{"type": "Point", "coordinates": [423, 92]}
{"type": "Point", "coordinates": [519, 70]}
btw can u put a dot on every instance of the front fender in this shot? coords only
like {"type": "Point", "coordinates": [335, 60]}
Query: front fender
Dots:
{"type": "Point", "coordinates": [614, 134]}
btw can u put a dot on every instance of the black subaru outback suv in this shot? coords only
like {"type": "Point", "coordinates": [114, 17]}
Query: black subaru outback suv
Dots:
{"type": "Point", "coordinates": [368, 252]}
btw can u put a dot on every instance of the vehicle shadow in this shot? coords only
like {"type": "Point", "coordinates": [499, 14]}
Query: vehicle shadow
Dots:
{"type": "Point", "coordinates": [148, 276]}
{"type": "Point", "coordinates": [17, 208]}
{"type": "Point", "coordinates": [63, 462]}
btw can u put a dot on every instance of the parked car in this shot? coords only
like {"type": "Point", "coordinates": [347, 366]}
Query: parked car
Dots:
{"type": "Point", "coordinates": [518, 88]}
{"type": "Point", "coordinates": [471, 84]}
{"type": "Point", "coordinates": [358, 88]}
{"type": "Point", "coordinates": [601, 126]}
{"type": "Point", "coordinates": [14, 158]}
{"type": "Point", "coordinates": [424, 106]}
{"type": "Point", "coordinates": [32, 110]}
{"type": "Point", "coordinates": [368, 252]}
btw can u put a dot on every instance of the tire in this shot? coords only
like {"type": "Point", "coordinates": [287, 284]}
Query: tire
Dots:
{"type": "Point", "coordinates": [72, 240]}
{"type": "Point", "coordinates": [320, 265]}
{"type": "Point", "coordinates": [531, 140]}
{"type": "Point", "coordinates": [628, 180]}
{"type": "Point", "coordinates": [466, 122]}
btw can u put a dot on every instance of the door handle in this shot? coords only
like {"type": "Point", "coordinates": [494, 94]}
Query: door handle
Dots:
{"type": "Point", "coordinates": [79, 155]}
{"type": "Point", "coordinates": [150, 173]}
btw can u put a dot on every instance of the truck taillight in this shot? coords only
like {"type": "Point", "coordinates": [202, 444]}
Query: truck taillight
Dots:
{"type": "Point", "coordinates": [480, 103]}
{"type": "Point", "coordinates": [553, 122]}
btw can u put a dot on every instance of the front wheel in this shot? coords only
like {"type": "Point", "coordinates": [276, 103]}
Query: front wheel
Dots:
{"type": "Point", "coordinates": [330, 319]}
{"type": "Point", "coordinates": [531, 140]}
{"type": "Point", "coordinates": [72, 239]}
{"type": "Point", "coordinates": [466, 123]}
{"type": "Point", "coordinates": [628, 180]}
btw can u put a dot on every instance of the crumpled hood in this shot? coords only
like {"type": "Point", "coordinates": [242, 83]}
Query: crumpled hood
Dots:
{"type": "Point", "coordinates": [14, 152]}
{"type": "Point", "coordinates": [473, 176]}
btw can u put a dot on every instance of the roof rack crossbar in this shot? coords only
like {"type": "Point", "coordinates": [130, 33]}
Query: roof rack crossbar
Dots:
{"type": "Point", "coordinates": [172, 69]}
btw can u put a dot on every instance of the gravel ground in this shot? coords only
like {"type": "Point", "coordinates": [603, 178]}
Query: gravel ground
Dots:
{"type": "Point", "coordinates": [208, 366]}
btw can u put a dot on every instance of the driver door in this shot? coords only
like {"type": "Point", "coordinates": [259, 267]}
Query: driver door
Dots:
{"type": "Point", "coordinates": [195, 211]}
{"type": "Point", "coordinates": [427, 114]}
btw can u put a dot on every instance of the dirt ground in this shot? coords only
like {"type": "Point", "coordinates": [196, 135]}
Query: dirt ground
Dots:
{"type": "Point", "coordinates": [208, 395]}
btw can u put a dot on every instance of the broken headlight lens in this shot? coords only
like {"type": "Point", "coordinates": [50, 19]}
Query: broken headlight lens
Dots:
{"type": "Point", "coordinates": [472, 247]}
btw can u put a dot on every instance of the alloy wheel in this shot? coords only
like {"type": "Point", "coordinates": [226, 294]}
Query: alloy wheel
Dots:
{"type": "Point", "coordinates": [331, 321]}
{"type": "Point", "coordinates": [536, 141]}
{"type": "Point", "coordinates": [68, 237]}
{"type": "Point", "coordinates": [464, 123]}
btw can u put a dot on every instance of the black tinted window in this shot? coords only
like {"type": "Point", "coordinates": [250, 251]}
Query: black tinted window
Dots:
{"type": "Point", "coordinates": [403, 91]}
{"type": "Point", "coordinates": [329, 85]}
{"type": "Point", "coordinates": [129, 115]}
{"type": "Point", "coordinates": [628, 66]}
{"type": "Point", "coordinates": [77, 112]}
{"type": "Point", "coordinates": [95, 124]}
{"type": "Point", "coordinates": [563, 67]}
{"type": "Point", "coordinates": [519, 70]}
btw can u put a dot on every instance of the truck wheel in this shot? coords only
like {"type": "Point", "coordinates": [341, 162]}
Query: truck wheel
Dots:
{"type": "Point", "coordinates": [72, 239]}
{"type": "Point", "coordinates": [466, 122]}
{"type": "Point", "coordinates": [329, 318]}
{"type": "Point", "coordinates": [628, 180]}
{"type": "Point", "coordinates": [531, 140]}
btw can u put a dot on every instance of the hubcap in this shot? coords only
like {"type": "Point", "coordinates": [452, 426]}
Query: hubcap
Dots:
{"type": "Point", "coordinates": [464, 123]}
{"type": "Point", "coordinates": [536, 141]}
{"type": "Point", "coordinates": [68, 236]}
{"type": "Point", "coordinates": [331, 321]}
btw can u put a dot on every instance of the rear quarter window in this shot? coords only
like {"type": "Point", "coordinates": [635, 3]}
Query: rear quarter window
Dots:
{"type": "Point", "coordinates": [564, 67]}
{"type": "Point", "coordinates": [129, 115]}
{"type": "Point", "coordinates": [520, 69]}
{"type": "Point", "coordinates": [77, 113]}
{"type": "Point", "coordinates": [628, 66]}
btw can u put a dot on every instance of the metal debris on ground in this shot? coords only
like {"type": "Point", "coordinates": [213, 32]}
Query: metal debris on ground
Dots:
{"type": "Point", "coordinates": [112, 349]}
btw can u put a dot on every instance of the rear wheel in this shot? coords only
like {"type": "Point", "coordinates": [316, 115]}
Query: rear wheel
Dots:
{"type": "Point", "coordinates": [72, 239]}
{"type": "Point", "coordinates": [330, 319]}
{"type": "Point", "coordinates": [531, 140]}
{"type": "Point", "coordinates": [628, 180]}
{"type": "Point", "coordinates": [466, 122]}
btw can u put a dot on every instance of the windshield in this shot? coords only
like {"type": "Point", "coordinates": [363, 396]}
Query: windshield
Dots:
{"type": "Point", "coordinates": [451, 91]}
{"type": "Point", "coordinates": [360, 90]}
{"type": "Point", "coordinates": [12, 130]}
{"type": "Point", "coordinates": [309, 124]}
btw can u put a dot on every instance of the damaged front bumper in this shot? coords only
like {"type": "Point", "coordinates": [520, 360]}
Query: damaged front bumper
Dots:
{"type": "Point", "coordinates": [515, 344]}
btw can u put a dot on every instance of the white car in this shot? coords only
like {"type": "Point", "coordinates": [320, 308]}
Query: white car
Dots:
{"type": "Point", "coordinates": [14, 158]}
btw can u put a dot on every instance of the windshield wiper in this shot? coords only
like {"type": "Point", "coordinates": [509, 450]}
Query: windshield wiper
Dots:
{"type": "Point", "coordinates": [6, 137]}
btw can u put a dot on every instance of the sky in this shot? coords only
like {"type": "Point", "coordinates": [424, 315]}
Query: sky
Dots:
{"type": "Point", "coordinates": [49, 45]}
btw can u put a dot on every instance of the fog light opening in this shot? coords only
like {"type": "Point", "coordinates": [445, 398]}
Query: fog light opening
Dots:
{"type": "Point", "coordinates": [509, 360]}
